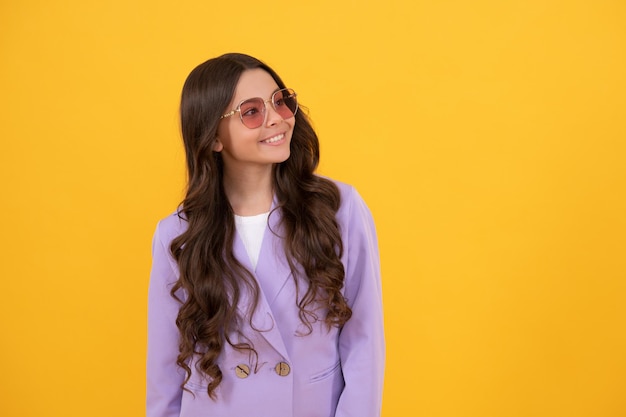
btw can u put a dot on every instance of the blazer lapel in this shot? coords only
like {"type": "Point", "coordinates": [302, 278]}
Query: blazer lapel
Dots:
{"type": "Point", "coordinates": [271, 277]}
{"type": "Point", "coordinates": [272, 269]}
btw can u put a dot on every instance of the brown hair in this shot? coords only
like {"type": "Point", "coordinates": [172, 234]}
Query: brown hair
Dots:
{"type": "Point", "coordinates": [211, 279]}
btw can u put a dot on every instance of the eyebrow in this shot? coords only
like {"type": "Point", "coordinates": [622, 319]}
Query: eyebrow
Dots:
{"type": "Point", "coordinates": [251, 97]}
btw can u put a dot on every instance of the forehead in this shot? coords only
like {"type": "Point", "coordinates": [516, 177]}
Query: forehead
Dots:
{"type": "Point", "coordinates": [254, 83]}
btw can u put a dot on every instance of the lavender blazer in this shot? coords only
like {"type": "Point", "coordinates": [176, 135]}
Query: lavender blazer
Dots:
{"type": "Point", "coordinates": [336, 373]}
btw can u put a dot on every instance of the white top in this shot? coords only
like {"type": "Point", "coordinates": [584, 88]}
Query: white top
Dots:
{"type": "Point", "coordinates": [251, 230]}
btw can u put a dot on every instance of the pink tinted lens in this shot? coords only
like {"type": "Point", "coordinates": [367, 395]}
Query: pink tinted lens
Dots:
{"type": "Point", "coordinates": [285, 103]}
{"type": "Point", "coordinates": [252, 112]}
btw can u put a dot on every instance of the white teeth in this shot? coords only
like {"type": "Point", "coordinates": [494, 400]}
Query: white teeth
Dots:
{"type": "Point", "coordinates": [274, 139]}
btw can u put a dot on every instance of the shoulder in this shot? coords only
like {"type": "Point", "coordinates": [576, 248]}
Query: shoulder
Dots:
{"type": "Point", "coordinates": [346, 191]}
{"type": "Point", "coordinates": [351, 202]}
{"type": "Point", "coordinates": [170, 227]}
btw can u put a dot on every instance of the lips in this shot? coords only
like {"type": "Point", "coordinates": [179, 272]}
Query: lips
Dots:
{"type": "Point", "coordinates": [274, 139]}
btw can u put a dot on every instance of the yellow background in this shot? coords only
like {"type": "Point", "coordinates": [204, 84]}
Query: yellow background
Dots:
{"type": "Point", "coordinates": [487, 137]}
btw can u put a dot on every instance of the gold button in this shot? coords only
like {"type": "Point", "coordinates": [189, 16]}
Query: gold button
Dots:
{"type": "Point", "coordinates": [282, 369]}
{"type": "Point", "coordinates": [242, 371]}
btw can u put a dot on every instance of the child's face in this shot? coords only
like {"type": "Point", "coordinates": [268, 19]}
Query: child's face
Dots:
{"type": "Point", "coordinates": [263, 146]}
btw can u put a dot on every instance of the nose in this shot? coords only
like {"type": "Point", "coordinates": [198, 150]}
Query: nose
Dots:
{"type": "Point", "coordinates": [272, 117]}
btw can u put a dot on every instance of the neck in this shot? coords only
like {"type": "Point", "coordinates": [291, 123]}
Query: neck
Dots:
{"type": "Point", "coordinates": [249, 191]}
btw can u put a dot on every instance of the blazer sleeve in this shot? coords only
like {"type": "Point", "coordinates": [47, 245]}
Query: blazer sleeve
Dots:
{"type": "Point", "coordinates": [362, 340]}
{"type": "Point", "coordinates": [164, 377]}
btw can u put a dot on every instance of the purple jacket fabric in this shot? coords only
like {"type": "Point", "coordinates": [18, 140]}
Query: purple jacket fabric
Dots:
{"type": "Point", "coordinates": [328, 373]}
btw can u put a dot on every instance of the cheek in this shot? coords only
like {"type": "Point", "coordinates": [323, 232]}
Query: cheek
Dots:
{"type": "Point", "coordinates": [292, 126]}
{"type": "Point", "coordinates": [226, 136]}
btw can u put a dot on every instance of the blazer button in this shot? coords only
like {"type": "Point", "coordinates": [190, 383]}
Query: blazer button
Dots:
{"type": "Point", "coordinates": [282, 369]}
{"type": "Point", "coordinates": [242, 371]}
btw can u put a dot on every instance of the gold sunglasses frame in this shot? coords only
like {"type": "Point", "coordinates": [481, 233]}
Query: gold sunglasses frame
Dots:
{"type": "Point", "coordinates": [292, 94]}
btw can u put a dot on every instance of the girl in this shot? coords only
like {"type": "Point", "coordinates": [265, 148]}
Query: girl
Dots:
{"type": "Point", "coordinates": [265, 292]}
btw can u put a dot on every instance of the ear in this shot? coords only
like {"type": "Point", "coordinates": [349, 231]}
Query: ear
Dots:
{"type": "Point", "coordinates": [217, 146]}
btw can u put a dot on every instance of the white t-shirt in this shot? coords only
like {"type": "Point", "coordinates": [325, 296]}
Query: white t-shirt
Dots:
{"type": "Point", "coordinates": [251, 230]}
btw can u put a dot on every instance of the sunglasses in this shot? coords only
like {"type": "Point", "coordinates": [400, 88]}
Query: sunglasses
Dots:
{"type": "Point", "coordinates": [252, 111]}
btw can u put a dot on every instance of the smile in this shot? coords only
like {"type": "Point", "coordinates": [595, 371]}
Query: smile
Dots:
{"type": "Point", "coordinates": [274, 139]}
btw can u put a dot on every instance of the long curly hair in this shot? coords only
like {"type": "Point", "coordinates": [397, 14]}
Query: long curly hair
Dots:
{"type": "Point", "coordinates": [211, 279]}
